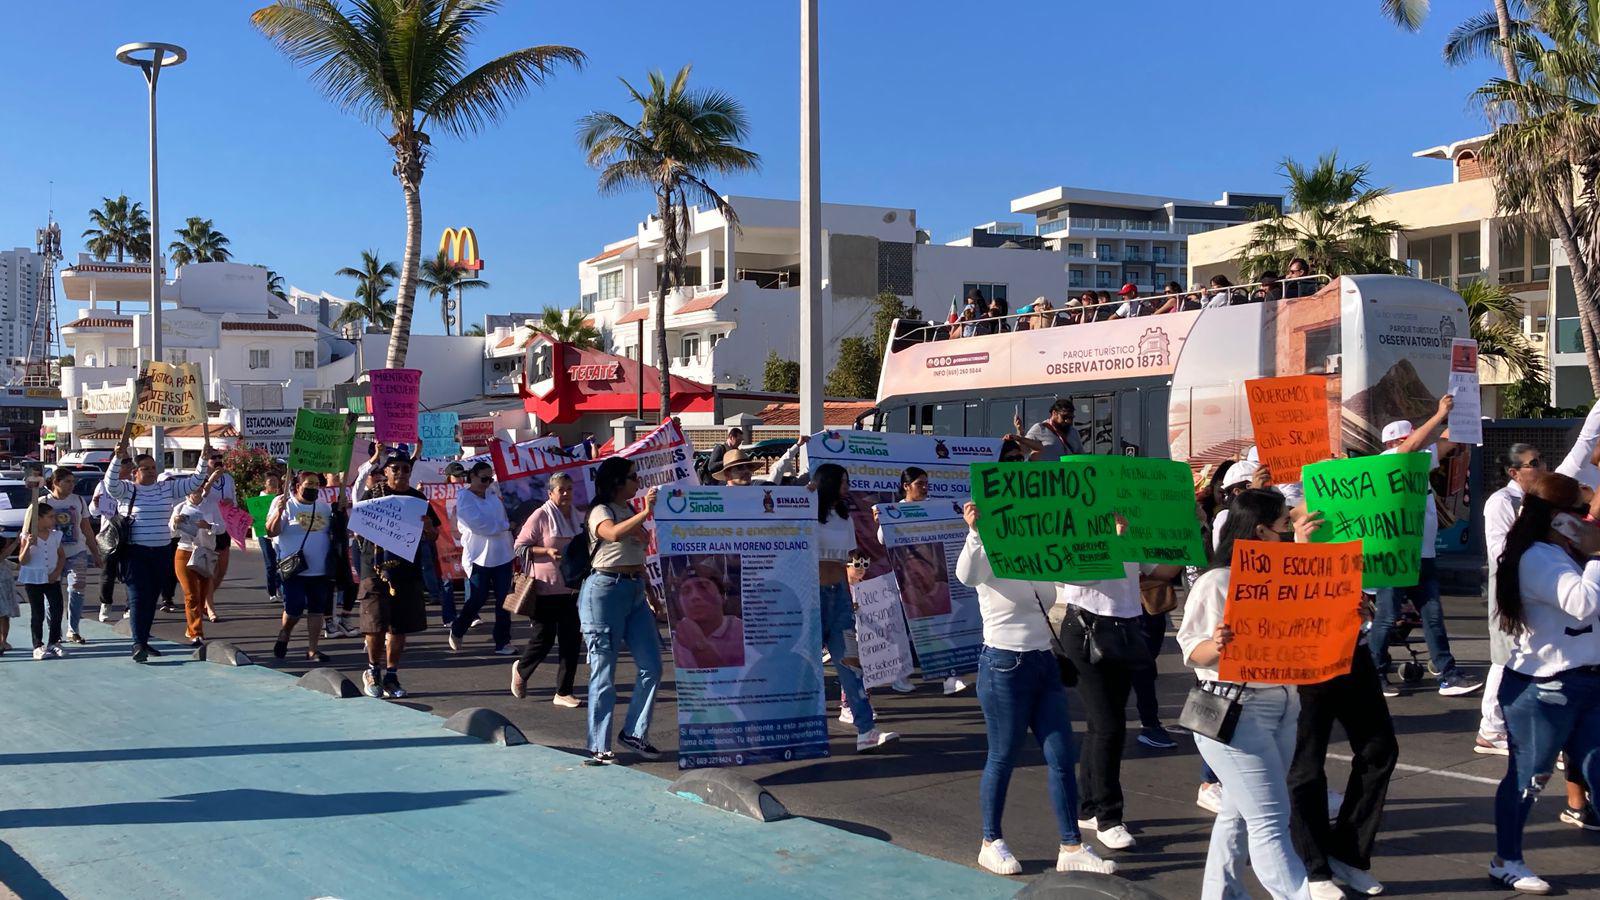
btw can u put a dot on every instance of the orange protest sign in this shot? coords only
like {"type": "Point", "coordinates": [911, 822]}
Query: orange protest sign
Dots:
{"type": "Point", "coordinates": [1290, 418]}
{"type": "Point", "coordinates": [1295, 611]}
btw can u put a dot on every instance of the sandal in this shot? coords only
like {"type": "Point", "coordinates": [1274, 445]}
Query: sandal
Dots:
{"type": "Point", "coordinates": [317, 657]}
{"type": "Point", "coordinates": [280, 648]}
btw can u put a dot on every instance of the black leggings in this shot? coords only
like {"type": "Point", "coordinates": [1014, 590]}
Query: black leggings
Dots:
{"type": "Point", "coordinates": [38, 596]}
{"type": "Point", "coordinates": [555, 618]}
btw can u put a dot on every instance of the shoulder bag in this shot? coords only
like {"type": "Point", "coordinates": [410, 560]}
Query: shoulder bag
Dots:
{"type": "Point", "coordinates": [1158, 597]}
{"type": "Point", "coordinates": [1069, 672]}
{"type": "Point", "coordinates": [1113, 639]}
{"type": "Point", "coordinates": [1212, 709]}
{"type": "Point", "coordinates": [116, 532]}
{"type": "Point", "coordinates": [524, 589]}
{"type": "Point", "coordinates": [295, 563]}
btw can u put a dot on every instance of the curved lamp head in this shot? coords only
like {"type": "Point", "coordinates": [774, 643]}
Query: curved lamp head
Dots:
{"type": "Point", "coordinates": [145, 53]}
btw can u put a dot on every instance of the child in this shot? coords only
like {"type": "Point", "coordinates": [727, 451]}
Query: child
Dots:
{"type": "Point", "coordinates": [42, 560]}
{"type": "Point", "coordinates": [194, 534]}
{"type": "Point", "coordinates": [8, 593]}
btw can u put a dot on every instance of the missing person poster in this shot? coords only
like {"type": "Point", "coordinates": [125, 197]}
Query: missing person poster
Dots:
{"type": "Point", "coordinates": [442, 499]}
{"type": "Point", "coordinates": [922, 542]}
{"type": "Point", "coordinates": [1466, 417]}
{"type": "Point", "coordinates": [739, 575]}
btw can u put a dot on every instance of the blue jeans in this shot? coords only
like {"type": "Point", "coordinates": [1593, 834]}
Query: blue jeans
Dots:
{"type": "Point", "coordinates": [1253, 827]}
{"type": "Point", "coordinates": [269, 559]}
{"type": "Point", "coordinates": [77, 566]}
{"type": "Point", "coordinates": [483, 581]}
{"type": "Point", "coordinates": [839, 616]}
{"type": "Point", "coordinates": [1019, 691]}
{"type": "Point", "coordinates": [1425, 597]}
{"type": "Point", "coordinates": [447, 601]}
{"type": "Point", "coordinates": [612, 611]}
{"type": "Point", "coordinates": [1543, 717]}
{"type": "Point", "coordinates": [145, 570]}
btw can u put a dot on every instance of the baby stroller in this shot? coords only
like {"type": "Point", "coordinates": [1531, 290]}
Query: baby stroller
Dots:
{"type": "Point", "coordinates": [1405, 636]}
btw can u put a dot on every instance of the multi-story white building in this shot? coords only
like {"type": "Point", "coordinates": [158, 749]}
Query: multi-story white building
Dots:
{"type": "Point", "coordinates": [744, 301]}
{"type": "Point", "coordinates": [1112, 238]}
{"type": "Point", "coordinates": [19, 300]}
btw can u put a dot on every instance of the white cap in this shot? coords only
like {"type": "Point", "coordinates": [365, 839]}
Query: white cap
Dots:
{"type": "Point", "coordinates": [1253, 455]}
{"type": "Point", "coordinates": [1240, 473]}
{"type": "Point", "coordinates": [1397, 431]}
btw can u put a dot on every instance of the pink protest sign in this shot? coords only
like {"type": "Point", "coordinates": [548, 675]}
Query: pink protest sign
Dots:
{"type": "Point", "coordinates": [238, 522]}
{"type": "Point", "coordinates": [395, 393]}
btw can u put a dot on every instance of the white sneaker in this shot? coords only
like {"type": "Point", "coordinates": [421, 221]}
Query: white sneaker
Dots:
{"type": "Point", "coordinates": [902, 686]}
{"type": "Point", "coordinates": [1325, 890]}
{"type": "Point", "coordinates": [996, 857]}
{"type": "Point", "coordinates": [1116, 837]}
{"type": "Point", "coordinates": [847, 716]}
{"type": "Point", "coordinates": [1209, 798]}
{"type": "Point", "coordinates": [1358, 880]}
{"type": "Point", "coordinates": [455, 642]}
{"type": "Point", "coordinates": [1516, 875]}
{"type": "Point", "coordinates": [475, 624]}
{"type": "Point", "coordinates": [566, 700]}
{"type": "Point", "coordinates": [1491, 746]}
{"type": "Point", "coordinates": [105, 613]}
{"type": "Point", "coordinates": [508, 650]}
{"type": "Point", "coordinates": [874, 740]}
{"type": "Point", "coordinates": [1083, 859]}
{"type": "Point", "coordinates": [954, 685]}
{"type": "Point", "coordinates": [57, 651]}
{"type": "Point", "coordinates": [39, 653]}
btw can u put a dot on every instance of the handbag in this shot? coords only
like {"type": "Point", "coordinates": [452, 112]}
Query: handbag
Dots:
{"type": "Point", "coordinates": [203, 560]}
{"type": "Point", "coordinates": [1112, 639]}
{"type": "Point", "coordinates": [524, 588]}
{"type": "Point", "coordinates": [295, 563]}
{"type": "Point", "coordinates": [116, 531]}
{"type": "Point", "coordinates": [1212, 709]}
{"type": "Point", "coordinates": [1158, 597]}
{"type": "Point", "coordinates": [1064, 666]}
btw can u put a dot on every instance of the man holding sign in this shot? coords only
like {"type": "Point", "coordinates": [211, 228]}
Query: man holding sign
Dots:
{"type": "Point", "coordinates": [391, 588]}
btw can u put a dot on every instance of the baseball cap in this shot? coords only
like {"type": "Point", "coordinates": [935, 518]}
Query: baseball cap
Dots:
{"type": "Point", "coordinates": [1397, 431]}
{"type": "Point", "coordinates": [1240, 473]}
{"type": "Point", "coordinates": [1128, 290]}
{"type": "Point", "coordinates": [455, 470]}
{"type": "Point", "coordinates": [394, 457]}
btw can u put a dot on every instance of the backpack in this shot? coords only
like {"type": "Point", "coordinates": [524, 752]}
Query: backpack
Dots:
{"type": "Point", "coordinates": [577, 560]}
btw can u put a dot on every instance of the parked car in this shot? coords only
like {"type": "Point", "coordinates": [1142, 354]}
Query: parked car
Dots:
{"type": "Point", "coordinates": [99, 459]}
{"type": "Point", "coordinates": [13, 507]}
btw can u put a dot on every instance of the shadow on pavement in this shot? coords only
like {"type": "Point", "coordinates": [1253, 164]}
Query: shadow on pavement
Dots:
{"type": "Point", "coordinates": [242, 805]}
{"type": "Point", "coordinates": [55, 757]}
{"type": "Point", "coordinates": [23, 879]}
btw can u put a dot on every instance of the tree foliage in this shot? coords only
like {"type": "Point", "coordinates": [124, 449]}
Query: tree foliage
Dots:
{"type": "Point", "coordinates": [570, 326]}
{"type": "Point", "coordinates": [198, 241]}
{"type": "Point", "coordinates": [373, 280]}
{"type": "Point", "coordinates": [780, 376]}
{"type": "Point", "coordinates": [856, 372]}
{"type": "Point", "coordinates": [1328, 222]}
{"type": "Point", "coordinates": [118, 228]}
{"type": "Point", "coordinates": [440, 277]}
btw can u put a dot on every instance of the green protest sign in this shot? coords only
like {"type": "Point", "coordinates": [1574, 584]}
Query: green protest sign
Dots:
{"type": "Point", "coordinates": [259, 507]}
{"type": "Point", "coordinates": [1378, 500]}
{"type": "Point", "coordinates": [321, 442]}
{"type": "Point", "coordinates": [1156, 496]}
{"type": "Point", "coordinates": [1047, 521]}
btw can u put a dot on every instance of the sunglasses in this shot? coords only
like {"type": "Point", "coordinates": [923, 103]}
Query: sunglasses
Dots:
{"type": "Point", "coordinates": [1535, 463]}
{"type": "Point", "coordinates": [858, 563]}
{"type": "Point", "coordinates": [485, 479]}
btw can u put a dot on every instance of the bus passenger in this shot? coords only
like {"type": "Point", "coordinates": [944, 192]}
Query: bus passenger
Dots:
{"type": "Point", "coordinates": [1056, 434]}
{"type": "Point", "coordinates": [1172, 298]}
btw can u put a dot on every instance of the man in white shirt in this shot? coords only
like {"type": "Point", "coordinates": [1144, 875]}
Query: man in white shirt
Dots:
{"type": "Point", "coordinates": [1400, 437]}
{"type": "Point", "coordinates": [1132, 306]}
{"type": "Point", "coordinates": [486, 553]}
{"type": "Point", "coordinates": [1523, 467]}
{"type": "Point", "coordinates": [1056, 435]}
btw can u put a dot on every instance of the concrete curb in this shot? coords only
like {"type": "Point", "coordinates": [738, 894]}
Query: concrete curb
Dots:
{"type": "Point", "coordinates": [486, 725]}
{"type": "Point", "coordinates": [731, 791]}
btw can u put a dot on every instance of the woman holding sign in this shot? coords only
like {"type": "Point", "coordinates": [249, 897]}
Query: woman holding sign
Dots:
{"type": "Point", "coordinates": [1253, 825]}
{"type": "Point", "coordinates": [1548, 590]}
{"type": "Point", "coordinates": [1019, 687]}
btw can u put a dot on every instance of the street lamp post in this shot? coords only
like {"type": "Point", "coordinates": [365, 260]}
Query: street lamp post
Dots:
{"type": "Point", "coordinates": [811, 349]}
{"type": "Point", "coordinates": [159, 57]}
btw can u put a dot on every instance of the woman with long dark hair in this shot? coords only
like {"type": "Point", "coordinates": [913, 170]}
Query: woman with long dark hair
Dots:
{"type": "Point", "coordinates": [1548, 590]}
{"type": "Point", "coordinates": [1253, 823]}
{"type": "Point", "coordinates": [836, 537]}
{"type": "Point", "coordinates": [612, 610]}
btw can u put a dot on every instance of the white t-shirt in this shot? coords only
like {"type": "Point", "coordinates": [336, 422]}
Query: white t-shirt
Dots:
{"type": "Point", "coordinates": [1118, 597]}
{"type": "Point", "coordinates": [1560, 612]}
{"type": "Point", "coordinates": [70, 513]}
{"type": "Point", "coordinates": [303, 529]}
{"type": "Point", "coordinates": [41, 560]}
{"type": "Point", "coordinates": [1013, 611]}
{"type": "Point", "coordinates": [1430, 513]}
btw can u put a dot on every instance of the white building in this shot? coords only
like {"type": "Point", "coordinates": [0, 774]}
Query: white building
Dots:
{"type": "Point", "coordinates": [19, 300]}
{"type": "Point", "coordinates": [1112, 238]}
{"type": "Point", "coordinates": [720, 330]}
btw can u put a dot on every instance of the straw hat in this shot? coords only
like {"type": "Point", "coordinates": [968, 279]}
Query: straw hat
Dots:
{"type": "Point", "coordinates": [733, 459]}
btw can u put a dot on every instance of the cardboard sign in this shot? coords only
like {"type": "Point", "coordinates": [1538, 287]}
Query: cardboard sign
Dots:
{"type": "Point", "coordinates": [1295, 611]}
{"type": "Point", "coordinates": [172, 397]}
{"type": "Point", "coordinates": [260, 507]}
{"type": "Point", "coordinates": [1377, 500]}
{"type": "Point", "coordinates": [237, 521]}
{"type": "Point", "coordinates": [1048, 521]}
{"type": "Point", "coordinates": [271, 431]}
{"type": "Point", "coordinates": [477, 432]}
{"type": "Point", "coordinates": [884, 648]}
{"type": "Point", "coordinates": [393, 523]}
{"type": "Point", "coordinates": [1290, 418]}
{"type": "Point", "coordinates": [1156, 496]}
{"type": "Point", "coordinates": [442, 498]}
{"type": "Point", "coordinates": [395, 396]}
{"type": "Point", "coordinates": [437, 431]}
{"type": "Point", "coordinates": [321, 442]}
{"type": "Point", "coordinates": [1466, 417]}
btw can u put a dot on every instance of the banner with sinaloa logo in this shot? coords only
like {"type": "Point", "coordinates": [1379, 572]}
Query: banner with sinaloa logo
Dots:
{"type": "Point", "coordinates": [739, 577]}
{"type": "Point", "coordinates": [922, 542]}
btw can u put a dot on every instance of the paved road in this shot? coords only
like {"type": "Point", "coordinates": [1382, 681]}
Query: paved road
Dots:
{"type": "Point", "coordinates": [922, 795]}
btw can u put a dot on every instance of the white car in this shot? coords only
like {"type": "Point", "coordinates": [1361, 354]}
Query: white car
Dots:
{"type": "Point", "coordinates": [97, 458]}
{"type": "Point", "coordinates": [16, 495]}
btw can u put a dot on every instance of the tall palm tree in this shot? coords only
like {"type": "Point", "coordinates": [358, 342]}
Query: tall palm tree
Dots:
{"type": "Point", "coordinates": [119, 227]}
{"type": "Point", "coordinates": [1494, 317]}
{"type": "Point", "coordinates": [570, 326]}
{"type": "Point", "coordinates": [1328, 222]}
{"type": "Point", "coordinates": [198, 241]}
{"type": "Point", "coordinates": [682, 136]}
{"type": "Point", "coordinates": [373, 280]}
{"type": "Point", "coordinates": [440, 277]}
{"type": "Point", "coordinates": [402, 65]}
{"type": "Point", "coordinates": [1408, 14]}
{"type": "Point", "coordinates": [473, 330]}
{"type": "Point", "coordinates": [275, 285]}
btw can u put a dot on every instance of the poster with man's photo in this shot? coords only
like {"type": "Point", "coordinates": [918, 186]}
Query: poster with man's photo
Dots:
{"type": "Point", "coordinates": [922, 542]}
{"type": "Point", "coordinates": [739, 579]}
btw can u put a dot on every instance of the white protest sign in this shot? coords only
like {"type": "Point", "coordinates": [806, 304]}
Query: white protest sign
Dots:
{"type": "Point", "coordinates": [393, 523]}
{"type": "Point", "coordinates": [885, 648]}
{"type": "Point", "coordinates": [1466, 417]}
{"type": "Point", "coordinates": [272, 431]}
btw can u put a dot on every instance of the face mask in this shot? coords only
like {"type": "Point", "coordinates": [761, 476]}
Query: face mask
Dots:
{"type": "Point", "coordinates": [1286, 536]}
{"type": "Point", "coordinates": [309, 495]}
{"type": "Point", "coordinates": [1573, 529]}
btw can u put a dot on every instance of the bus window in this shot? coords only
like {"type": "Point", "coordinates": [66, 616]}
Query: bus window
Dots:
{"type": "Point", "coordinates": [895, 421]}
{"type": "Point", "coordinates": [945, 418]}
{"type": "Point", "coordinates": [1035, 410]}
{"type": "Point", "coordinates": [974, 419]}
{"type": "Point", "coordinates": [1100, 425]}
{"type": "Point", "coordinates": [1129, 422]}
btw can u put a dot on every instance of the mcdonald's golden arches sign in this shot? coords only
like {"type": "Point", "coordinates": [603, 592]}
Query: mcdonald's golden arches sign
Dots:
{"type": "Point", "coordinates": [460, 247]}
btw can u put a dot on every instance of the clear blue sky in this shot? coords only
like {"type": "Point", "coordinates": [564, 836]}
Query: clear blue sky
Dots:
{"type": "Point", "coordinates": [952, 108]}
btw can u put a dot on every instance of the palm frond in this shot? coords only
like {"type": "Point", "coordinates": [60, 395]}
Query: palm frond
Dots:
{"type": "Point", "coordinates": [1407, 14]}
{"type": "Point", "coordinates": [482, 96]}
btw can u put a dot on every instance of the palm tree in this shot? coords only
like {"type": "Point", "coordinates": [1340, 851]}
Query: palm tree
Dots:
{"type": "Point", "coordinates": [373, 279]}
{"type": "Point", "coordinates": [1408, 14]}
{"type": "Point", "coordinates": [119, 227]}
{"type": "Point", "coordinates": [570, 326]}
{"type": "Point", "coordinates": [473, 330]}
{"type": "Point", "coordinates": [198, 242]}
{"type": "Point", "coordinates": [1494, 317]}
{"type": "Point", "coordinates": [681, 137]}
{"type": "Point", "coordinates": [440, 277]}
{"type": "Point", "coordinates": [1328, 222]}
{"type": "Point", "coordinates": [402, 65]}
{"type": "Point", "coordinates": [275, 285]}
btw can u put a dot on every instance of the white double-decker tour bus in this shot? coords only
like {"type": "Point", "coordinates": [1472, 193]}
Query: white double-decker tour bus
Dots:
{"type": "Point", "coordinates": [1173, 384]}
